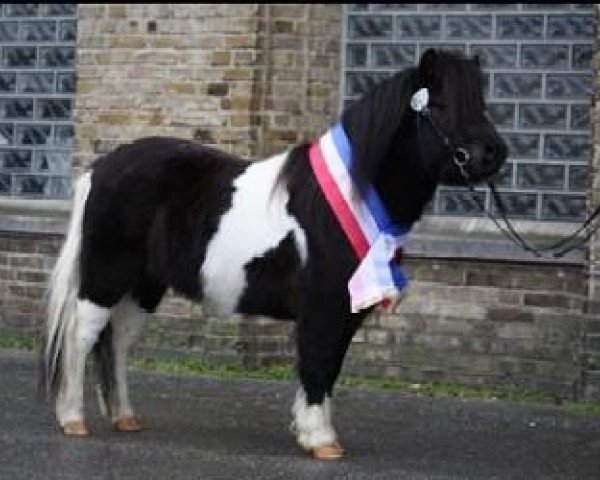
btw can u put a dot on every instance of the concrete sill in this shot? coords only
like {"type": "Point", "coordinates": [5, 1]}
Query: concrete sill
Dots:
{"type": "Point", "coordinates": [34, 216]}
{"type": "Point", "coordinates": [432, 237]}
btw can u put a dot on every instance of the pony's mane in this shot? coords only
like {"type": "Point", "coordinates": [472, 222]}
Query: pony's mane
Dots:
{"type": "Point", "coordinates": [374, 121]}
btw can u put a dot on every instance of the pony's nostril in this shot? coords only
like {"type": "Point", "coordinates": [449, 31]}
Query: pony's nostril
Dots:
{"type": "Point", "coordinates": [490, 150]}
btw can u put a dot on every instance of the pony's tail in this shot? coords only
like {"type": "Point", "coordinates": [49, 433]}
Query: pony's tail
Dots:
{"type": "Point", "coordinates": [61, 296]}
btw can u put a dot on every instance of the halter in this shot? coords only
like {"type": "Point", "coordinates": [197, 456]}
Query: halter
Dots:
{"type": "Point", "coordinates": [461, 157]}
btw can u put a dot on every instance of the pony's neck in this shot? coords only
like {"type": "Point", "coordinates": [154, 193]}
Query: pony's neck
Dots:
{"type": "Point", "coordinates": [404, 189]}
{"type": "Point", "coordinates": [381, 128]}
{"type": "Point", "coordinates": [401, 179]}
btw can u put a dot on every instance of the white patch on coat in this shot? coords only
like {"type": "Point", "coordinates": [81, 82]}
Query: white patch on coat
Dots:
{"type": "Point", "coordinates": [79, 340]}
{"type": "Point", "coordinates": [312, 424]}
{"type": "Point", "coordinates": [257, 221]}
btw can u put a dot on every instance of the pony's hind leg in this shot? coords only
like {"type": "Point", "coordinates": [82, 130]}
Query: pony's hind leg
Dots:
{"type": "Point", "coordinates": [81, 335]}
{"type": "Point", "coordinates": [127, 322]}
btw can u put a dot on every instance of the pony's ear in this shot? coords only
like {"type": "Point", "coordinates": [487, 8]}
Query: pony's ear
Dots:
{"type": "Point", "coordinates": [477, 60]}
{"type": "Point", "coordinates": [427, 67]}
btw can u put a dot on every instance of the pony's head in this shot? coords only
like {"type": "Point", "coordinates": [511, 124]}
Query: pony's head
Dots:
{"type": "Point", "coordinates": [405, 152]}
{"type": "Point", "coordinates": [455, 135]}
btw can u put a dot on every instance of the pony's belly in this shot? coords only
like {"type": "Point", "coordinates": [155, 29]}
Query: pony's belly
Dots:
{"type": "Point", "coordinates": [255, 226]}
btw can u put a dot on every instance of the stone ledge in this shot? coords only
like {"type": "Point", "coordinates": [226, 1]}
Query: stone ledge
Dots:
{"type": "Point", "coordinates": [433, 237]}
{"type": "Point", "coordinates": [34, 216]}
{"type": "Point", "coordinates": [479, 239]}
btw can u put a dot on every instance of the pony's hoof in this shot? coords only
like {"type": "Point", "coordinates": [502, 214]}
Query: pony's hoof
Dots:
{"type": "Point", "coordinates": [76, 428]}
{"type": "Point", "coordinates": [329, 451]}
{"type": "Point", "coordinates": [132, 423]}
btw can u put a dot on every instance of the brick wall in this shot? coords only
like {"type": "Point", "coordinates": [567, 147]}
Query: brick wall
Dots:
{"type": "Point", "coordinates": [592, 338]}
{"type": "Point", "coordinates": [25, 263]}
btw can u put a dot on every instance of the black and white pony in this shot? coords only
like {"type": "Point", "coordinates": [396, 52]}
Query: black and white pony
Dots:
{"type": "Point", "coordinates": [251, 237]}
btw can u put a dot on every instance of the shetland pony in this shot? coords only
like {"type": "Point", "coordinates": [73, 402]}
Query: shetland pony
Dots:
{"type": "Point", "coordinates": [251, 237]}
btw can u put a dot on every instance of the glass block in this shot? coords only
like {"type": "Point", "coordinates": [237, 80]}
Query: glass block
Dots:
{"type": "Point", "coordinates": [519, 26]}
{"type": "Point", "coordinates": [63, 57]}
{"type": "Point", "coordinates": [522, 145]}
{"type": "Point", "coordinates": [377, 7]}
{"type": "Point", "coordinates": [582, 56]}
{"type": "Point", "coordinates": [517, 204]}
{"type": "Point", "coordinates": [459, 202]}
{"type": "Point", "coordinates": [9, 31]}
{"type": "Point", "coordinates": [53, 108]}
{"type": "Point", "coordinates": [496, 56]}
{"type": "Point", "coordinates": [35, 82]}
{"type": "Point", "coordinates": [6, 133]}
{"type": "Point", "coordinates": [356, 55]}
{"type": "Point", "coordinates": [580, 117]}
{"type": "Point", "coordinates": [567, 147]}
{"type": "Point", "coordinates": [60, 187]}
{"type": "Point", "coordinates": [493, 6]}
{"type": "Point", "coordinates": [8, 82]}
{"type": "Point", "coordinates": [63, 135]}
{"type": "Point", "coordinates": [358, 83]}
{"type": "Point", "coordinates": [540, 176]}
{"type": "Point", "coordinates": [545, 56]}
{"type": "Point", "coordinates": [584, 6]}
{"type": "Point", "coordinates": [445, 46]}
{"type": "Point", "coordinates": [61, 9]}
{"type": "Point", "coordinates": [563, 207]}
{"type": "Point", "coordinates": [21, 9]}
{"type": "Point", "coordinates": [357, 7]}
{"type": "Point", "coordinates": [444, 6]}
{"type": "Point", "coordinates": [15, 159]}
{"type": "Point", "coordinates": [20, 57]}
{"type": "Point", "coordinates": [502, 114]}
{"type": "Point", "coordinates": [372, 26]}
{"type": "Point", "coordinates": [569, 27]}
{"type": "Point", "coordinates": [418, 26]}
{"type": "Point", "coordinates": [16, 108]}
{"type": "Point", "coordinates": [67, 31]}
{"type": "Point", "coordinates": [579, 177]}
{"type": "Point", "coordinates": [31, 185]}
{"type": "Point", "coordinates": [468, 26]}
{"type": "Point", "coordinates": [504, 178]}
{"type": "Point", "coordinates": [5, 184]}
{"type": "Point", "coordinates": [569, 86]}
{"type": "Point", "coordinates": [40, 31]}
{"type": "Point", "coordinates": [56, 161]}
{"type": "Point", "coordinates": [393, 55]}
{"type": "Point", "coordinates": [33, 134]}
{"type": "Point", "coordinates": [542, 116]}
{"type": "Point", "coordinates": [546, 6]}
{"type": "Point", "coordinates": [65, 82]}
{"type": "Point", "coordinates": [523, 85]}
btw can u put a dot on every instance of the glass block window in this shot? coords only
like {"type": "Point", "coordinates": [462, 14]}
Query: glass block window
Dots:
{"type": "Point", "coordinates": [37, 84]}
{"type": "Point", "coordinates": [537, 59]}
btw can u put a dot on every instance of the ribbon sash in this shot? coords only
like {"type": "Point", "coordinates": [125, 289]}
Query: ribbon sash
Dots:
{"type": "Point", "coordinates": [364, 220]}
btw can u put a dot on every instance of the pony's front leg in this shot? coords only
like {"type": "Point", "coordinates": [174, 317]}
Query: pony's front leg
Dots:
{"type": "Point", "coordinates": [127, 321]}
{"type": "Point", "coordinates": [323, 336]}
{"type": "Point", "coordinates": [90, 319]}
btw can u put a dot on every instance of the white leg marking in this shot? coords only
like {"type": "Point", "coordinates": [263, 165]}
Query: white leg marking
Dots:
{"type": "Point", "coordinates": [312, 424]}
{"type": "Point", "coordinates": [128, 320]}
{"type": "Point", "coordinates": [80, 338]}
{"type": "Point", "coordinates": [257, 221]}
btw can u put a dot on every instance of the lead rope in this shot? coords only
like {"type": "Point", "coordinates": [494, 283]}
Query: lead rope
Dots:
{"type": "Point", "coordinates": [460, 157]}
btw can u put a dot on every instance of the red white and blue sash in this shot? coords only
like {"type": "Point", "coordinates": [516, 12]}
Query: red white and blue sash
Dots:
{"type": "Point", "coordinates": [375, 239]}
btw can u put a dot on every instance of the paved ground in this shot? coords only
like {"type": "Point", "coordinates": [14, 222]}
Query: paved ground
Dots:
{"type": "Point", "coordinates": [204, 428]}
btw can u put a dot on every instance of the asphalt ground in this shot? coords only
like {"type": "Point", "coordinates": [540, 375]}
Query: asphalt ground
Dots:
{"type": "Point", "coordinates": [210, 428]}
